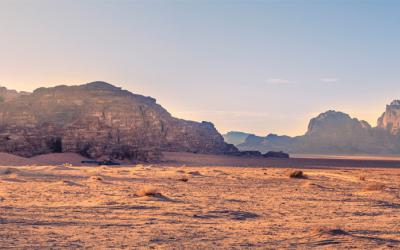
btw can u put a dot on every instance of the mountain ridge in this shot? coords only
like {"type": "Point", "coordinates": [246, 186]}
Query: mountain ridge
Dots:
{"type": "Point", "coordinates": [10, 94]}
{"type": "Point", "coordinates": [335, 132]}
{"type": "Point", "coordinates": [100, 120]}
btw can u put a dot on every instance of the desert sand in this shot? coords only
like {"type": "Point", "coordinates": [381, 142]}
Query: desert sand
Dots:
{"type": "Point", "coordinates": [175, 206]}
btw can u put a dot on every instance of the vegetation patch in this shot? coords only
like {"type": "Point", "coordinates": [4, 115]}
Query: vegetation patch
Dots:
{"type": "Point", "coordinates": [297, 174]}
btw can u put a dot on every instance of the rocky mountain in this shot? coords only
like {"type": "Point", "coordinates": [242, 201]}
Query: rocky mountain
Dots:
{"type": "Point", "coordinates": [7, 94]}
{"type": "Point", "coordinates": [390, 119]}
{"type": "Point", "coordinates": [99, 120]}
{"type": "Point", "coordinates": [235, 137]}
{"type": "Point", "coordinates": [337, 132]}
{"type": "Point", "coordinates": [334, 132]}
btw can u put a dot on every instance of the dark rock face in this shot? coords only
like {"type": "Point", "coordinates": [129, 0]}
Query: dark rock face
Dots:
{"type": "Point", "coordinates": [330, 133]}
{"type": "Point", "coordinates": [390, 119]}
{"type": "Point", "coordinates": [99, 120]}
{"type": "Point", "coordinates": [273, 154]}
{"type": "Point", "coordinates": [250, 153]}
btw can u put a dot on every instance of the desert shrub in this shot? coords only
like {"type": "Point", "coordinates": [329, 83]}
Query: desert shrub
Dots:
{"type": "Point", "coordinates": [96, 178]}
{"type": "Point", "coordinates": [183, 179]}
{"type": "Point", "coordinates": [331, 231]}
{"type": "Point", "coordinates": [297, 174]}
{"type": "Point", "coordinates": [148, 191]}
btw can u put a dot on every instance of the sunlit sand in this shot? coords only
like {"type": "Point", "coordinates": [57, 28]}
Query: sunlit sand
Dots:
{"type": "Point", "coordinates": [173, 206]}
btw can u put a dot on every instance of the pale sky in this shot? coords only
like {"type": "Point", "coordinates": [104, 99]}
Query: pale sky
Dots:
{"type": "Point", "coordinates": [254, 66]}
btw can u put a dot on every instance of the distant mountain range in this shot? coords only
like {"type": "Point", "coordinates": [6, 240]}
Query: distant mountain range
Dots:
{"type": "Point", "coordinates": [332, 132]}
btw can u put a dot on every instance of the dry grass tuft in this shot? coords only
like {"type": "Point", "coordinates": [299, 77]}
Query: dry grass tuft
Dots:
{"type": "Point", "coordinates": [139, 166]}
{"type": "Point", "coordinates": [183, 179]}
{"type": "Point", "coordinates": [331, 231]}
{"type": "Point", "coordinates": [133, 171]}
{"type": "Point", "coordinates": [297, 174]}
{"type": "Point", "coordinates": [96, 178]}
{"type": "Point", "coordinates": [148, 191]}
{"type": "Point", "coordinates": [375, 187]}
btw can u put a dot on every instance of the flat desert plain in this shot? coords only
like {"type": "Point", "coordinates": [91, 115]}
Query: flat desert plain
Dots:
{"type": "Point", "coordinates": [185, 204]}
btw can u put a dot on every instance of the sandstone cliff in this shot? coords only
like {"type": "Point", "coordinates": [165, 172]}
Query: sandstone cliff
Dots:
{"type": "Point", "coordinates": [8, 95]}
{"type": "Point", "coordinates": [99, 120]}
{"type": "Point", "coordinates": [390, 119]}
{"type": "Point", "coordinates": [331, 132]}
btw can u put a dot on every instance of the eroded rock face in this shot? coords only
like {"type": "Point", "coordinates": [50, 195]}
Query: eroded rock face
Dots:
{"type": "Point", "coordinates": [235, 137]}
{"type": "Point", "coordinates": [337, 132]}
{"type": "Point", "coordinates": [390, 119]}
{"type": "Point", "coordinates": [99, 120]}
{"type": "Point", "coordinates": [331, 132]}
{"type": "Point", "coordinates": [8, 95]}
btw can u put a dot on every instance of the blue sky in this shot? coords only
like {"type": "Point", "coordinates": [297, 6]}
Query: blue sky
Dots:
{"type": "Point", "coordinates": [256, 66]}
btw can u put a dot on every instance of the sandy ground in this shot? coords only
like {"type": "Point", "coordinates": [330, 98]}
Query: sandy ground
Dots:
{"type": "Point", "coordinates": [177, 159]}
{"type": "Point", "coordinates": [216, 208]}
{"type": "Point", "coordinates": [41, 160]}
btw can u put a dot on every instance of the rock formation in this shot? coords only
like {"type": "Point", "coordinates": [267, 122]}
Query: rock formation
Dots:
{"type": "Point", "coordinates": [335, 132]}
{"type": "Point", "coordinates": [99, 120]}
{"type": "Point", "coordinates": [235, 137]}
{"type": "Point", "coordinates": [273, 154]}
{"type": "Point", "coordinates": [7, 94]}
{"type": "Point", "coordinates": [390, 119]}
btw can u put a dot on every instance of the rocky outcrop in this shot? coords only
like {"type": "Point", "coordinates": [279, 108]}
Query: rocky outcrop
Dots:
{"type": "Point", "coordinates": [335, 124]}
{"type": "Point", "coordinates": [337, 132]}
{"type": "Point", "coordinates": [8, 95]}
{"type": "Point", "coordinates": [273, 154]}
{"type": "Point", "coordinates": [271, 142]}
{"type": "Point", "coordinates": [331, 132]}
{"type": "Point", "coordinates": [245, 153]}
{"type": "Point", "coordinates": [390, 119]}
{"type": "Point", "coordinates": [235, 137]}
{"type": "Point", "coordinates": [99, 120]}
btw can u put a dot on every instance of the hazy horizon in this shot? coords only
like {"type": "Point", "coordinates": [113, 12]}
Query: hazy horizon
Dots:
{"type": "Point", "coordinates": [254, 66]}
